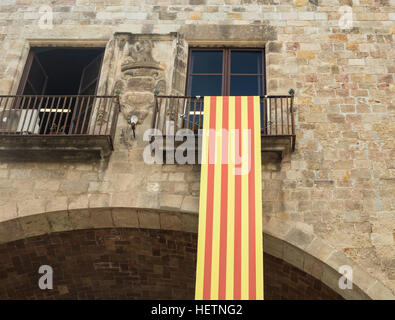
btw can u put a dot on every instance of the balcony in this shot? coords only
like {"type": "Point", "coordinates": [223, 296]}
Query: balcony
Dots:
{"type": "Point", "coordinates": [277, 120]}
{"type": "Point", "coordinates": [57, 127]}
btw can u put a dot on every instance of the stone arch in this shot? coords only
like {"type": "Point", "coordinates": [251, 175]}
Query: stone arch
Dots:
{"type": "Point", "coordinates": [295, 243]}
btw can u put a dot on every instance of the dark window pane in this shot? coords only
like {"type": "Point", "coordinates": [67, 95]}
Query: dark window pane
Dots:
{"type": "Point", "coordinates": [206, 62]}
{"type": "Point", "coordinates": [246, 85]}
{"type": "Point", "coordinates": [29, 89]}
{"type": "Point", "coordinates": [90, 74]}
{"type": "Point", "coordinates": [205, 86]}
{"type": "Point", "coordinates": [246, 61]}
{"type": "Point", "coordinates": [37, 77]}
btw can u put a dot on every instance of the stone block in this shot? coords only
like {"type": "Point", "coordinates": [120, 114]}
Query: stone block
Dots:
{"type": "Point", "coordinates": [299, 238]}
{"type": "Point", "coordinates": [170, 221]}
{"type": "Point", "coordinates": [176, 176]}
{"type": "Point", "coordinates": [80, 219]}
{"type": "Point", "coordinates": [194, 16]}
{"type": "Point", "coordinates": [382, 239]}
{"type": "Point", "coordinates": [125, 218]}
{"type": "Point", "coordinates": [31, 207]}
{"type": "Point", "coordinates": [148, 219]}
{"type": "Point", "coordinates": [99, 200]}
{"type": "Point", "coordinates": [190, 204]}
{"type": "Point", "coordinates": [34, 225]}
{"type": "Point", "coordinates": [101, 218]}
{"type": "Point", "coordinates": [57, 204]}
{"type": "Point", "coordinates": [300, 3]}
{"type": "Point", "coordinates": [379, 292]}
{"type": "Point", "coordinates": [319, 249]}
{"type": "Point", "coordinates": [189, 222]}
{"type": "Point", "coordinates": [59, 221]}
{"type": "Point", "coordinates": [293, 256]}
{"type": "Point", "coordinates": [8, 211]}
{"type": "Point", "coordinates": [123, 200]}
{"type": "Point", "coordinates": [337, 37]}
{"type": "Point", "coordinates": [11, 230]}
{"type": "Point", "coordinates": [277, 228]}
{"type": "Point", "coordinates": [78, 202]}
{"type": "Point", "coordinates": [170, 201]}
{"type": "Point", "coordinates": [273, 246]}
{"type": "Point", "coordinates": [313, 266]}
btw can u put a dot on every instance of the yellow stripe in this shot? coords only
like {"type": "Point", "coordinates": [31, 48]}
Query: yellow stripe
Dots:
{"type": "Point", "coordinates": [258, 200]}
{"type": "Point", "coordinates": [244, 202]}
{"type": "Point", "coordinates": [231, 206]}
{"type": "Point", "coordinates": [217, 201]}
{"type": "Point", "coordinates": [202, 204]}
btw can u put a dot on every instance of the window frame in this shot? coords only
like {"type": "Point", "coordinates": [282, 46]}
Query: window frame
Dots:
{"type": "Point", "coordinates": [32, 56]}
{"type": "Point", "coordinates": [226, 64]}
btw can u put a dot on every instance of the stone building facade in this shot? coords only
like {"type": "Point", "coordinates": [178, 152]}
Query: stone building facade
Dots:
{"type": "Point", "coordinates": [329, 203]}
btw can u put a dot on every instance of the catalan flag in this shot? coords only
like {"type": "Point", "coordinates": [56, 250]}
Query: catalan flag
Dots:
{"type": "Point", "coordinates": [230, 253]}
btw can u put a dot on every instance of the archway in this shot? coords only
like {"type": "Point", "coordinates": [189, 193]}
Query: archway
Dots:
{"type": "Point", "coordinates": [307, 264]}
{"type": "Point", "coordinates": [128, 263]}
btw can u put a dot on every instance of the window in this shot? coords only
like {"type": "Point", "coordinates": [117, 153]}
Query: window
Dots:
{"type": "Point", "coordinates": [222, 72]}
{"type": "Point", "coordinates": [226, 72]}
{"type": "Point", "coordinates": [54, 73]}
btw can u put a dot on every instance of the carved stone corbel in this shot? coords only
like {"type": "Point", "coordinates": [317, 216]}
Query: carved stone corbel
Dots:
{"type": "Point", "coordinates": [141, 74]}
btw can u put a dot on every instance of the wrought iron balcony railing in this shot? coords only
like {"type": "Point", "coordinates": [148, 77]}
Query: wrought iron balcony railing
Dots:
{"type": "Point", "coordinates": [176, 112]}
{"type": "Point", "coordinates": [58, 115]}
{"type": "Point", "coordinates": [42, 118]}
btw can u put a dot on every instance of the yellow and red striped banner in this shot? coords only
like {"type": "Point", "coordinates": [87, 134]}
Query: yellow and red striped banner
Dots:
{"type": "Point", "coordinates": [230, 253]}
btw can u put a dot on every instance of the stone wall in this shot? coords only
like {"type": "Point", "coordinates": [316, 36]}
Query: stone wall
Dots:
{"type": "Point", "coordinates": [340, 181]}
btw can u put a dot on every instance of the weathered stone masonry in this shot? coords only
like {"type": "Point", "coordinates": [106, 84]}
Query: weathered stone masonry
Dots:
{"type": "Point", "coordinates": [128, 264]}
{"type": "Point", "coordinates": [334, 197]}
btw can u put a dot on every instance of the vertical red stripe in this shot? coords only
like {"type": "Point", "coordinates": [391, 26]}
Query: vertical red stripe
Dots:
{"type": "Point", "coordinates": [210, 204]}
{"type": "Point", "coordinates": [224, 201]}
{"type": "Point", "coordinates": [237, 244]}
{"type": "Point", "coordinates": [251, 203]}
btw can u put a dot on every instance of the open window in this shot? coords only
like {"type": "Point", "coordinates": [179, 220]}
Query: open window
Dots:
{"type": "Point", "coordinates": [59, 85]}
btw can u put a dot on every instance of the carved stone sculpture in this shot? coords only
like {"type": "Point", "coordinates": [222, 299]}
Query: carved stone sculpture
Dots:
{"type": "Point", "coordinates": [141, 75]}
